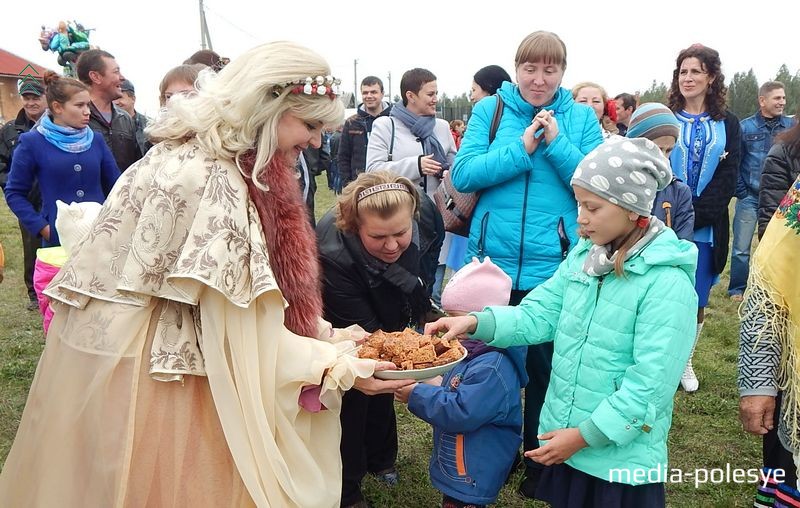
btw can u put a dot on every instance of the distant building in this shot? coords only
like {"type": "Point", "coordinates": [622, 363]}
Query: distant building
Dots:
{"type": "Point", "coordinates": [12, 69]}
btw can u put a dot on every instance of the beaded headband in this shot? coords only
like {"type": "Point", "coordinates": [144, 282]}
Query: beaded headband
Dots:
{"type": "Point", "coordinates": [321, 85]}
{"type": "Point", "coordinates": [369, 191]}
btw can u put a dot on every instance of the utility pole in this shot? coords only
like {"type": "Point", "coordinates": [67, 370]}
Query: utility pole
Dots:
{"type": "Point", "coordinates": [390, 87]}
{"type": "Point", "coordinates": [205, 36]}
{"type": "Point", "coordinates": [355, 83]}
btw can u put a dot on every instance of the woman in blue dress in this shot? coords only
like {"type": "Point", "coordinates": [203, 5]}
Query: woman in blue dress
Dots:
{"type": "Point", "coordinates": [706, 157]}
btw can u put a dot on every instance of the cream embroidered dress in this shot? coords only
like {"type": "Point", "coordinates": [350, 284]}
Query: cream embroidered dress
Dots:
{"type": "Point", "coordinates": [168, 377]}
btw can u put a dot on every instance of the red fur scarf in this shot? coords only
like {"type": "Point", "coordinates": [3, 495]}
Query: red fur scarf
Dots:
{"type": "Point", "coordinates": [291, 242]}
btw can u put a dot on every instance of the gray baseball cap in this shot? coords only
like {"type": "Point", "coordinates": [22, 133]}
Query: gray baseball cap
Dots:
{"type": "Point", "coordinates": [127, 86]}
{"type": "Point", "coordinates": [29, 85]}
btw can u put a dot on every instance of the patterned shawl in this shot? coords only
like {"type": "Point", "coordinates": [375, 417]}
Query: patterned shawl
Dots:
{"type": "Point", "coordinates": [774, 293]}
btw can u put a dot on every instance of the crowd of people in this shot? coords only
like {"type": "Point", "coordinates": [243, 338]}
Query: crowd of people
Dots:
{"type": "Point", "coordinates": [201, 325]}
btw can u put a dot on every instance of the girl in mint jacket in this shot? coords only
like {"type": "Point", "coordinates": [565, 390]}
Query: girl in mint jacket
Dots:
{"type": "Point", "coordinates": [620, 313]}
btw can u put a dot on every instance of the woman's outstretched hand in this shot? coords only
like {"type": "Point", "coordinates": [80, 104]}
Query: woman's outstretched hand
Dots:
{"type": "Point", "coordinates": [375, 386]}
{"type": "Point", "coordinates": [455, 327]}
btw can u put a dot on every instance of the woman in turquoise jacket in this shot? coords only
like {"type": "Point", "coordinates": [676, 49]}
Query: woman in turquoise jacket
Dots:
{"type": "Point", "coordinates": [525, 216]}
{"type": "Point", "coordinates": [619, 311]}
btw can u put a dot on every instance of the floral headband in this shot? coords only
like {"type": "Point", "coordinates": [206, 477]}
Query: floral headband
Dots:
{"type": "Point", "coordinates": [369, 191]}
{"type": "Point", "coordinates": [321, 85]}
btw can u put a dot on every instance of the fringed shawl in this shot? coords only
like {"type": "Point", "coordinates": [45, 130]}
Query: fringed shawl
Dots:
{"type": "Point", "coordinates": [773, 292]}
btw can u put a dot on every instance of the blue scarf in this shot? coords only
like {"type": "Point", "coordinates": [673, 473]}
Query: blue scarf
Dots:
{"type": "Point", "coordinates": [422, 128]}
{"type": "Point", "coordinates": [68, 139]}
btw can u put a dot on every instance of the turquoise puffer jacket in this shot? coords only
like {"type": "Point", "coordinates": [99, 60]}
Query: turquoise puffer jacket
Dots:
{"type": "Point", "coordinates": [523, 198]}
{"type": "Point", "coordinates": [620, 346]}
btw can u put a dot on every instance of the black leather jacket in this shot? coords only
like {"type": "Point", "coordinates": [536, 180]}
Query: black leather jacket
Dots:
{"type": "Point", "coordinates": [780, 171]}
{"type": "Point", "coordinates": [119, 134]}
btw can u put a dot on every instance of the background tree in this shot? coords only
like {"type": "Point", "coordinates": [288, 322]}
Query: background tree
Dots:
{"type": "Point", "coordinates": [792, 84]}
{"type": "Point", "coordinates": [452, 108]}
{"type": "Point", "coordinates": [656, 93]}
{"type": "Point", "coordinates": [443, 105]}
{"type": "Point", "coordinates": [743, 94]}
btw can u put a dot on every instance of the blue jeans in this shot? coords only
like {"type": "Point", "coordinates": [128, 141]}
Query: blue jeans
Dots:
{"type": "Point", "coordinates": [744, 225]}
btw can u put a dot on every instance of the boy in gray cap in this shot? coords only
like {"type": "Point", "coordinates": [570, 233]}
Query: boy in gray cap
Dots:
{"type": "Point", "coordinates": [128, 103]}
{"type": "Point", "coordinates": [673, 205]}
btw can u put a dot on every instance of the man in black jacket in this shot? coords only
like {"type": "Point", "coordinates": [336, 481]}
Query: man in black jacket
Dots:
{"type": "Point", "coordinates": [352, 156]}
{"type": "Point", "coordinates": [100, 72]}
{"type": "Point", "coordinates": [128, 103]}
{"type": "Point", "coordinates": [34, 105]}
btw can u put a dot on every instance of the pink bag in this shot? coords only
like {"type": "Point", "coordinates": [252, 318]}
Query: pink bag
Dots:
{"type": "Point", "coordinates": [43, 273]}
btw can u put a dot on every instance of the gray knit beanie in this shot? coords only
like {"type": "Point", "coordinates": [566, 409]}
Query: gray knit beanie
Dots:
{"type": "Point", "coordinates": [626, 172]}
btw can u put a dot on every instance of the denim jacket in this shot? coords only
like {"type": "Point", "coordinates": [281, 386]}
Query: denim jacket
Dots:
{"type": "Point", "coordinates": [757, 139]}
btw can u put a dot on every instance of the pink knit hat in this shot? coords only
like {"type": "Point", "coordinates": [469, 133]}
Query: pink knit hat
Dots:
{"type": "Point", "coordinates": [475, 286]}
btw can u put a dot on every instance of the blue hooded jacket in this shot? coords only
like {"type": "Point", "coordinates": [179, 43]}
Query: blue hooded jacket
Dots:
{"type": "Point", "coordinates": [476, 416]}
{"type": "Point", "coordinates": [526, 216]}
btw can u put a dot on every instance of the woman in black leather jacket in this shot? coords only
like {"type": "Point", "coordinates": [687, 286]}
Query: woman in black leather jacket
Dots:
{"type": "Point", "coordinates": [375, 248]}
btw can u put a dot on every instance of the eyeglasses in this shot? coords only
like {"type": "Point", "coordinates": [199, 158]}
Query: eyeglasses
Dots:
{"type": "Point", "coordinates": [691, 72]}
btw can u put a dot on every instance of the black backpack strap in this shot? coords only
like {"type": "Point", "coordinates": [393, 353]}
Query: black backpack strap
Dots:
{"type": "Point", "coordinates": [498, 114]}
{"type": "Point", "coordinates": [391, 141]}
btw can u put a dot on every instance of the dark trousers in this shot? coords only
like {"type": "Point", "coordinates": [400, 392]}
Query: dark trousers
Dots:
{"type": "Point", "coordinates": [538, 366]}
{"type": "Point", "coordinates": [369, 440]}
{"type": "Point", "coordinates": [775, 455]}
{"type": "Point", "coordinates": [30, 243]}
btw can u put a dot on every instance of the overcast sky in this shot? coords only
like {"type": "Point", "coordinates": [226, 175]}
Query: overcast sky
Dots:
{"type": "Point", "coordinates": [623, 47]}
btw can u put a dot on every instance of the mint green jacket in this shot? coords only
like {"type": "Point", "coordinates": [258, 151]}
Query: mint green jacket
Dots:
{"type": "Point", "coordinates": [620, 346]}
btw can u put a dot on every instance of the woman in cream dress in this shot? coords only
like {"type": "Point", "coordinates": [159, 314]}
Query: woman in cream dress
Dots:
{"type": "Point", "coordinates": [187, 363]}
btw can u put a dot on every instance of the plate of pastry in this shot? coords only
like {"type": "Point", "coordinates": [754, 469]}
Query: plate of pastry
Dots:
{"type": "Point", "coordinates": [416, 356]}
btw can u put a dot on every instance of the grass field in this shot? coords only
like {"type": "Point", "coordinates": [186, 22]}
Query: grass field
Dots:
{"type": "Point", "coordinates": [705, 434]}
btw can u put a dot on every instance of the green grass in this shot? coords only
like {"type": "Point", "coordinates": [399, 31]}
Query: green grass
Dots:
{"type": "Point", "coordinates": [705, 434]}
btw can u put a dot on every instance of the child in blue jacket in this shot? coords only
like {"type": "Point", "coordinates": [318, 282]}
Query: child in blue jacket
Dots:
{"type": "Point", "coordinates": [620, 313]}
{"type": "Point", "coordinates": [673, 204]}
{"type": "Point", "coordinates": [475, 409]}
